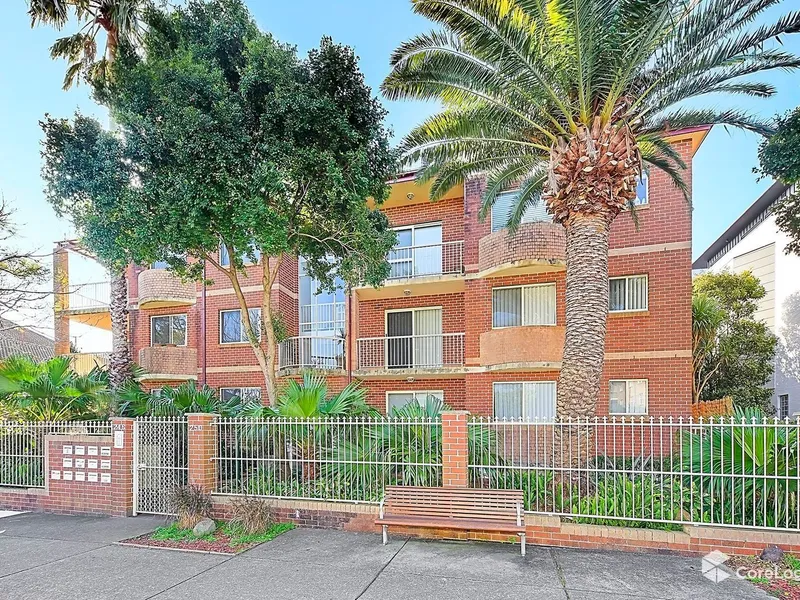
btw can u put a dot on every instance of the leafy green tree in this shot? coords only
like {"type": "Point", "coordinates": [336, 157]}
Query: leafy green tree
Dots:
{"type": "Point", "coordinates": [122, 24]}
{"type": "Point", "coordinates": [707, 318]}
{"type": "Point", "coordinates": [740, 350]}
{"type": "Point", "coordinates": [780, 158]}
{"type": "Point", "coordinates": [227, 136]}
{"type": "Point", "coordinates": [568, 99]}
{"type": "Point", "coordinates": [51, 390]}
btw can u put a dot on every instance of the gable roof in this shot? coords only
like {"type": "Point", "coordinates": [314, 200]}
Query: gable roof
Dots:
{"type": "Point", "coordinates": [755, 214]}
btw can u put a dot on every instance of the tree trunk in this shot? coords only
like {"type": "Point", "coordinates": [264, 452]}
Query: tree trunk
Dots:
{"type": "Point", "coordinates": [268, 328]}
{"type": "Point", "coordinates": [119, 368]}
{"type": "Point", "coordinates": [586, 313]}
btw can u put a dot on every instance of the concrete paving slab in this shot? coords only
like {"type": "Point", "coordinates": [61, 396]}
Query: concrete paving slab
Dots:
{"type": "Point", "coordinates": [328, 547]}
{"type": "Point", "coordinates": [478, 560]}
{"type": "Point", "coordinates": [396, 585]}
{"type": "Point", "coordinates": [645, 575]}
{"type": "Point", "coordinates": [244, 579]}
{"type": "Point", "coordinates": [21, 554]}
{"type": "Point", "coordinates": [78, 528]}
{"type": "Point", "coordinates": [108, 573]}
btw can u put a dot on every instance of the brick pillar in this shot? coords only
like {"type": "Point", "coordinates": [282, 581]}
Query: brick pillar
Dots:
{"type": "Point", "coordinates": [455, 472]}
{"type": "Point", "coordinates": [202, 449]}
{"type": "Point", "coordinates": [122, 466]}
{"type": "Point", "coordinates": [61, 299]}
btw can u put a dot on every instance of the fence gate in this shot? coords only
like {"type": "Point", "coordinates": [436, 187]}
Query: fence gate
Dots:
{"type": "Point", "coordinates": [160, 463]}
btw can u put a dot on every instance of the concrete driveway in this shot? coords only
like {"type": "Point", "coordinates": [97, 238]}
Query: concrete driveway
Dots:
{"type": "Point", "coordinates": [63, 558]}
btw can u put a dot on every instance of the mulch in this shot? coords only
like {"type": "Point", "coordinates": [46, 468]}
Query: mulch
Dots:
{"type": "Point", "coordinates": [784, 589]}
{"type": "Point", "coordinates": [221, 544]}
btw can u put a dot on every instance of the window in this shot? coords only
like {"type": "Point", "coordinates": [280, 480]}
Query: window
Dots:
{"type": "Point", "coordinates": [418, 251]}
{"type": "Point", "coordinates": [530, 400]}
{"type": "Point", "coordinates": [396, 400]}
{"type": "Point", "coordinates": [525, 305]}
{"type": "Point", "coordinates": [783, 406]}
{"type": "Point", "coordinates": [247, 394]}
{"type": "Point", "coordinates": [643, 189]}
{"type": "Point", "coordinates": [160, 264]}
{"type": "Point", "coordinates": [225, 259]}
{"type": "Point", "coordinates": [231, 328]}
{"type": "Point", "coordinates": [168, 329]}
{"type": "Point", "coordinates": [414, 338]}
{"type": "Point", "coordinates": [627, 397]}
{"type": "Point", "coordinates": [627, 294]}
{"type": "Point", "coordinates": [321, 311]}
{"type": "Point", "coordinates": [503, 208]}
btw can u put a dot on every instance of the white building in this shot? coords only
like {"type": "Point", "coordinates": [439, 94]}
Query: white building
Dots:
{"type": "Point", "coordinates": [754, 243]}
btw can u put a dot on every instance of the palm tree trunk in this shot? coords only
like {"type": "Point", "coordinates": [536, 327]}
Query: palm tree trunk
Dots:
{"type": "Point", "coordinates": [119, 368]}
{"type": "Point", "coordinates": [586, 311]}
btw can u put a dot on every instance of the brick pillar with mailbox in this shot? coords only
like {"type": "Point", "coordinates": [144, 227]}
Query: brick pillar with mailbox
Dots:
{"type": "Point", "coordinates": [122, 465]}
{"type": "Point", "coordinates": [455, 450]}
{"type": "Point", "coordinates": [202, 449]}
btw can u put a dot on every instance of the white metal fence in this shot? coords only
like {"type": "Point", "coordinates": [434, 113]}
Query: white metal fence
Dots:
{"type": "Point", "coordinates": [411, 351]}
{"type": "Point", "coordinates": [647, 472]}
{"type": "Point", "coordinates": [426, 259]}
{"type": "Point", "coordinates": [349, 459]}
{"type": "Point", "coordinates": [89, 295]}
{"type": "Point", "coordinates": [311, 352]}
{"type": "Point", "coordinates": [23, 448]}
{"type": "Point", "coordinates": [160, 462]}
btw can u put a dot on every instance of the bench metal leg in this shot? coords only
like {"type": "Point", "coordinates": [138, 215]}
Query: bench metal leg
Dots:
{"type": "Point", "coordinates": [385, 535]}
{"type": "Point", "coordinates": [522, 544]}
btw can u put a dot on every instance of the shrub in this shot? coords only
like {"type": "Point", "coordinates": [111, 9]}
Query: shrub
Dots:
{"type": "Point", "coordinates": [191, 504]}
{"type": "Point", "coordinates": [251, 515]}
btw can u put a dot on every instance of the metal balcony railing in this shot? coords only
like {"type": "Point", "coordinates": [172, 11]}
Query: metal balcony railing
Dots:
{"type": "Point", "coordinates": [411, 351]}
{"type": "Point", "coordinates": [311, 352]}
{"type": "Point", "coordinates": [322, 317]}
{"type": "Point", "coordinates": [89, 295]}
{"type": "Point", "coordinates": [429, 259]}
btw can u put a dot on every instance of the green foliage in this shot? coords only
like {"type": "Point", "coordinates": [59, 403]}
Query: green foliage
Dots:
{"type": "Point", "coordinates": [174, 532]}
{"type": "Point", "coordinates": [51, 390]}
{"type": "Point", "coordinates": [175, 401]}
{"type": "Point", "coordinates": [240, 537]}
{"type": "Point", "coordinates": [768, 455]}
{"type": "Point", "coordinates": [735, 358]}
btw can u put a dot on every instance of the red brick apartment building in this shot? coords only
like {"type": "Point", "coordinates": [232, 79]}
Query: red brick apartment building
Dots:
{"type": "Point", "coordinates": [470, 314]}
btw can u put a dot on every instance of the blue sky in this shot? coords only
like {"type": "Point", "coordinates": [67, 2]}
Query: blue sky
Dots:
{"type": "Point", "coordinates": [30, 86]}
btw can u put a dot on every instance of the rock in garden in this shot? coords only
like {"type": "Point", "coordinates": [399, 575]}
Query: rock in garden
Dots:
{"type": "Point", "coordinates": [204, 527]}
{"type": "Point", "coordinates": [772, 554]}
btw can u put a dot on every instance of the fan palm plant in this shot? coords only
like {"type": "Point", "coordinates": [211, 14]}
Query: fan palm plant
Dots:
{"type": "Point", "coordinates": [51, 390]}
{"type": "Point", "coordinates": [122, 22]}
{"type": "Point", "coordinates": [707, 318]}
{"type": "Point", "coordinates": [174, 402]}
{"type": "Point", "coordinates": [568, 99]}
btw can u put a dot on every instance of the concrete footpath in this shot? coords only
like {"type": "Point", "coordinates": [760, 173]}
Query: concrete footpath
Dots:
{"type": "Point", "coordinates": [46, 557]}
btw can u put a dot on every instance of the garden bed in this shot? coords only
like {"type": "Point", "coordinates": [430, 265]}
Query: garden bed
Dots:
{"type": "Point", "coordinates": [781, 580]}
{"type": "Point", "coordinates": [227, 539]}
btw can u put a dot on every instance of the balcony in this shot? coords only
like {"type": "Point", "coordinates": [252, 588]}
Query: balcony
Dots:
{"type": "Point", "coordinates": [437, 267]}
{"type": "Point", "coordinates": [433, 354]}
{"type": "Point", "coordinates": [328, 316]}
{"type": "Point", "coordinates": [159, 288]}
{"type": "Point", "coordinates": [83, 362]}
{"type": "Point", "coordinates": [311, 352]}
{"type": "Point", "coordinates": [536, 347]}
{"type": "Point", "coordinates": [168, 363]}
{"type": "Point", "coordinates": [86, 303]}
{"type": "Point", "coordinates": [534, 248]}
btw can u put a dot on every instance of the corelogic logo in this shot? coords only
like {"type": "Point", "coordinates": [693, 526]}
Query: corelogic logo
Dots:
{"type": "Point", "coordinates": [712, 566]}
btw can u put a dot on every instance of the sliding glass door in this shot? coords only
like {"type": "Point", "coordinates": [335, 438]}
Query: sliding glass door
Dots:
{"type": "Point", "coordinates": [414, 338]}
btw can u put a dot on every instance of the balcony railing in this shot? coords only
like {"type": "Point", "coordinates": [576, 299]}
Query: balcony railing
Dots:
{"type": "Point", "coordinates": [84, 362]}
{"type": "Point", "coordinates": [429, 259]}
{"type": "Point", "coordinates": [89, 295]}
{"type": "Point", "coordinates": [322, 317]}
{"type": "Point", "coordinates": [311, 352]}
{"type": "Point", "coordinates": [411, 351]}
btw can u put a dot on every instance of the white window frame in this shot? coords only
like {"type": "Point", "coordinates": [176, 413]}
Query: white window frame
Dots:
{"type": "Point", "coordinates": [242, 331]}
{"type": "Point", "coordinates": [492, 228]}
{"type": "Point", "coordinates": [413, 228]}
{"type": "Point", "coordinates": [781, 398]}
{"type": "Point", "coordinates": [522, 305]}
{"type": "Point", "coordinates": [523, 383]}
{"type": "Point", "coordinates": [413, 322]}
{"type": "Point", "coordinates": [646, 297]}
{"type": "Point", "coordinates": [185, 317]}
{"type": "Point", "coordinates": [627, 411]}
{"type": "Point", "coordinates": [241, 389]}
{"type": "Point", "coordinates": [245, 258]}
{"type": "Point", "coordinates": [646, 178]}
{"type": "Point", "coordinates": [415, 392]}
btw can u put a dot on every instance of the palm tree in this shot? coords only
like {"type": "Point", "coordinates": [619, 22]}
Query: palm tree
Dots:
{"type": "Point", "coordinates": [51, 390]}
{"type": "Point", "coordinates": [568, 99]}
{"type": "Point", "coordinates": [707, 318]}
{"type": "Point", "coordinates": [175, 401]}
{"type": "Point", "coordinates": [122, 22]}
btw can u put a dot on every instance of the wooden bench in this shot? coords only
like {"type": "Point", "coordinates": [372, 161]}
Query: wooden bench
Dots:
{"type": "Point", "coordinates": [465, 509]}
